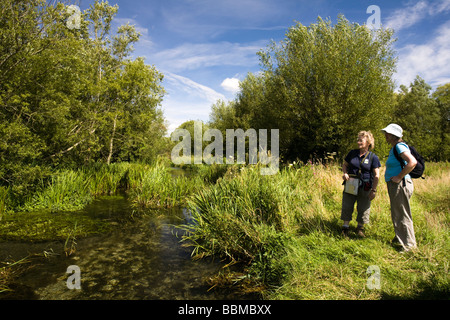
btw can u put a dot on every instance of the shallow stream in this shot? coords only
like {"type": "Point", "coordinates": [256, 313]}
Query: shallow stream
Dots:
{"type": "Point", "coordinates": [141, 258]}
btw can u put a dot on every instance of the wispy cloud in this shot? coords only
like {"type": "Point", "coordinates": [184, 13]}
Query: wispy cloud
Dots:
{"type": "Point", "coordinates": [205, 18]}
{"type": "Point", "coordinates": [192, 88]}
{"type": "Point", "coordinates": [413, 13]}
{"type": "Point", "coordinates": [429, 60]}
{"type": "Point", "coordinates": [187, 100]}
{"type": "Point", "coordinates": [190, 56]}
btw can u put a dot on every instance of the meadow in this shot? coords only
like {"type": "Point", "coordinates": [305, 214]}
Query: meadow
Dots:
{"type": "Point", "coordinates": [281, 233]}
{"type": "Point", "coordinates": [285, 231]}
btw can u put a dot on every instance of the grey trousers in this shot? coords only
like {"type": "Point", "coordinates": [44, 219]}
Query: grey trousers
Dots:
{"type": "Point", "coordinates": [362, 206]}
{"type": "Point", "coordinates": [399, 196]}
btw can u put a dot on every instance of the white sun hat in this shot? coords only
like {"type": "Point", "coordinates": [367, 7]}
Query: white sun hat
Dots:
{"type": "Point", "coordinates": [394, 129]}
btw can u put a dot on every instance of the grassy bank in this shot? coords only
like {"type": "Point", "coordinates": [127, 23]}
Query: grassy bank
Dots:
{"type": "Point", "coordinates": [55, 207]}
{"type": "Point", "coordinates": [285, 229]}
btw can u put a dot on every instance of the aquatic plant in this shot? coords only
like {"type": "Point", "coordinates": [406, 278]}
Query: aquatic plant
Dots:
{"type": "Point", "coordinates": [285, 230]}
{"type": "Point", "coordinates": [9, 271]}
{"type": "Point", "coordinates": [156, 187]}
{"type": "Point", "coordinates": [71, 190]}
{"type": "Point", "coordinates": [3, 199]}
{"type": "Point", "coordinates": [67, 190]}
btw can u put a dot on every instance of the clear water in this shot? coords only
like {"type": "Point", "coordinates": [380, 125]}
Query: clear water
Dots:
{"type": "Point", "coordinates": [142, 258]}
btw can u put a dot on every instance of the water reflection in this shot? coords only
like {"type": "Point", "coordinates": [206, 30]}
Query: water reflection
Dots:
{"type": "Point", "coordinates": [140, 259]}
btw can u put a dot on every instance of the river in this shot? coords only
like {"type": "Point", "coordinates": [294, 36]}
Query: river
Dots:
{"type": "Point", "coordinates": [141, 258]}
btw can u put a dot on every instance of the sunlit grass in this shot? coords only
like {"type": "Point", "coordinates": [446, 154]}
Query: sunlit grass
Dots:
{"type": "Point", "coordinates": [286, 230]}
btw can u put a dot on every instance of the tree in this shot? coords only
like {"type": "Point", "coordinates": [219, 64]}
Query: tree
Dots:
{"type": "Point", "coordinates": [320, 86]}
{"type": "Point", "coordinates": [442, 96]}
{"type": "Point", "coordinates": [71, 96]}
{"type": "Point", "coordinates": [223, 116]}
{"type": "Point", "coordinates": [190, 127]}
{"type": "Point", "coordinates": [420, 117]}
{"type": "Point", "coordinates": [123, 95]}
{"type": "Point", "coordinates": [28, 36]}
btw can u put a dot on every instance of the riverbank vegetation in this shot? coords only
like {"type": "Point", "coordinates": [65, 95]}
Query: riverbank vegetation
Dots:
{"type": "Point", "coordinates": [285, 230]}
{"type": "Point", "coordinates": [282, 231]}
{"type": "Point", "coordinates": [81, 119]}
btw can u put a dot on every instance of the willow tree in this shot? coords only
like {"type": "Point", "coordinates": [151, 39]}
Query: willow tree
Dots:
{"type": "Point", "coordinates": [70, 93]}
{"type": "Point", "coordinates": [320, 86]}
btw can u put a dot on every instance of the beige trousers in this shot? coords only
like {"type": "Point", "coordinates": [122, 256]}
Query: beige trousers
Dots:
{"type": "Point", "coordinates": [399, 195]}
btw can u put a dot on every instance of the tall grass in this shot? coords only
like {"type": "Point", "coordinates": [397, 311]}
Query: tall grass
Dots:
{"type": "Point", "coordinates": [66, 190]}
{"type": "Point", "coordinates": [3, 199]}
{"type": "Point", "coordinates": [286, 230]}
{"type": "Point", "coordinates": [107, 179]}
{"type": "Point", "coordinates": [156, 187]}
{"type": "Point", "coordinates": [71, 190]}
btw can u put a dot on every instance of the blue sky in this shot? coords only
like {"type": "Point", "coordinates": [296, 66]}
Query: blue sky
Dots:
{"type": "Point", "coordinates": [205, 47]}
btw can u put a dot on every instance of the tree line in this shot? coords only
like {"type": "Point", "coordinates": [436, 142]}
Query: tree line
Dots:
{"type": "Point", "coordinates": [324, 83]}
{"type": "Point", "coordinates": [72, 96]}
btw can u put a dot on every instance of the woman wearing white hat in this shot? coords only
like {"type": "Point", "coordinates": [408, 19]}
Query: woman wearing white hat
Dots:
{"type": "Point", "coordinates": [400, 187]}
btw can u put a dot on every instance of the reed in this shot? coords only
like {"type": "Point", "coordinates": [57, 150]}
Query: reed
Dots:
{"type": "Point", "coordinates": [3, 200]}
{"type": "Point", "coordinates": [154, 186]}
{"type": "Point", "coordinates": [71, 190]}
{"type": "Point", "coordinates": [107, 179]}
{"type": "Point", "coordinates": [10, 271]}
{"type": "Point", "coordinates": [286, 230]}
{"type": "Point", "coordinates": [67, 190]}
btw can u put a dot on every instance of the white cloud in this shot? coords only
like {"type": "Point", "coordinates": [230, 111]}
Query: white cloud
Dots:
{"type": "Point", "coordinates": [190, 56]}
{"type": "Point", "coordinates": [186, 100]}
{"type": "Point", "coordinates": [192, 88]}
{"type": "Point", "coordinates": [430, 60]}
{"type": "Point", "coordinates": [406, 17]}
{"type": "Point", "coordinates": [231, 85]}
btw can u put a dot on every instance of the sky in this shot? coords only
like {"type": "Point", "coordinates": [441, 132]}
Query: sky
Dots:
{"type": "Point", "coordinates": [205, 47]}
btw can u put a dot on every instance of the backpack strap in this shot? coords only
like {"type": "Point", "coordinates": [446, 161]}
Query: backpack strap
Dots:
{"type": "Point", "coordinates": [371, 163]}
{"type": "Point", "coordinates": [402, 163]}
{"type": "Point", "coordinates": [370, 155]}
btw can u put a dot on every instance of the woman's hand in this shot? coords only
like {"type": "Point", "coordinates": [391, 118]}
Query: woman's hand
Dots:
{"type": "Point", "coordinates": [396, 179]}
{"type": "Point", "coordinates": [346, 177]}
{"type": "Point", "coordinates": [411, 162]}
{"type": "Point", "coordinates": [372, 195]}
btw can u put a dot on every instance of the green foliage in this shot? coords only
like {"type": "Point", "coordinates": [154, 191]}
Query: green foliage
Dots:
{"type": "Point", "coordinates": [67, 190]}
{"type": "Point", "coordinates": [319, 86]}
{"type": "Point", "coordinates": [324, 83]}
{"type": "Point", "coordinates": [3, 199]}
{"type": "Point", "coordinates": [421, 119]}
{"type": "Point", "coordinates": [155, 187]}
{"type": "Point", "coordinates": [239, 217]}
{"type": "Point", "coordinates": [71, 190]}
{"type": "Point", "coordinates": [442, 96]}
{"type": "Point", "coordinates": [71, 97]}
{"type": "Point", "coordinates": [286, 230]}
